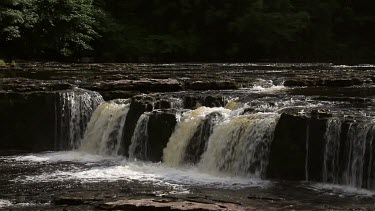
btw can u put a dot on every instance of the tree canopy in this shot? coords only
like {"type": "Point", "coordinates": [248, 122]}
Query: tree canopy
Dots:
{"type": "Point", "coordinates": [189, 30]}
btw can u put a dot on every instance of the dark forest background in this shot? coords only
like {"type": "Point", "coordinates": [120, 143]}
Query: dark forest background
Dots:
{"type": "Point", "coordinates": [188, 30]}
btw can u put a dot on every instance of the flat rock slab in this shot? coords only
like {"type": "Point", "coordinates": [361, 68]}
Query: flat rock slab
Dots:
{"type": "Point", "coordinates": [152, 204]}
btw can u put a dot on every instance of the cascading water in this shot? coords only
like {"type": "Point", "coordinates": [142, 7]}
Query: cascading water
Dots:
{"type": "Point", "coordinates": [138, 146]}
{"type": "Point", "coordinates": [104, 131]}
{"type": "Point", "coordinates": [240, 146]}
{"type": "Point", "coordinates": [174, 153]}
{"type": "Point", "coordinates": [331, 151]}
{"type": "Point", "coordinates": [73, 110]}
{"type": "Point", "coordinates": [198, 143]}
{"type": "Point", "coordinates": [348, 158]}
{"type": "Point", "coordinates": [307, 153]}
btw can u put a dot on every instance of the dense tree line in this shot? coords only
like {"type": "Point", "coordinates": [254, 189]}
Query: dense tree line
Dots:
{"type": "Point", "coordinates": [189, 30]}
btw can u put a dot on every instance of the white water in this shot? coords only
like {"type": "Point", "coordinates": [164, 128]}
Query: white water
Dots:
{"type": "Point", "coordinates": [331, 151]}
{"type": "Point", "coordinates": [5, 203]}
{"type": "Point", "coordinates": [307, 153]}
{"type": "Point", "coordinates": [174, 153]}
{"type": "Point", "coordinates": [61, 156]}
{"type": "Point", "coordinates": [240, 146]}
{"type": "Point", "coordinates": [73, 110]}
{"type": "Point", "coordinates": [139, 141]}
{"type": "Point", "coordinates": [266, 86]}
{"type": "Point", "coordinates": [359, 140]}
{"type": "Point", "coordinates": [104, 131]}
{"type": "Point", "coordinates": [156, 174]}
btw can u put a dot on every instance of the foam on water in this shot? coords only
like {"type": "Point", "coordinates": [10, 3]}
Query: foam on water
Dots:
{"type": "Point", "coordinates": [268, 89]}
{"type": "Point", "coordinates": [341, 189]}
{"type": "Point", "coordinates": [174, 153]}
{"type": "Point", "coordinates": [54, 157]}
{"type": "Point", "coordinates": [5, 203]}
{"type": "Point", "coordinates": [156, 174]}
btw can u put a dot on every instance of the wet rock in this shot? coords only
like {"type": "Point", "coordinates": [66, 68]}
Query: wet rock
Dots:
{"type": "Point", "coordinates": [296, 151]}
{"type": "Point", "coordinates": [138, 106]}
{"type": "Point", "coordinates": [198, 143]}
{"type": "Point", "coordinates": [74, 201]}
{"type": "Point", "coordinates": [160, 127]}
{"type": "Point", "coordinates": [210, 85]}
{"type": "Point", "coordinates": [27, 121]}
{"type": "Point", "coordinates": [142, 85]}
{"type": "Point", "coordinates": [152, 204]}
{"type": "Point", "coordinates": [329, 82]}
{"type": "Point", "coordinates": [344, 99]}
{"type": "Point", "coordinates": [192, 102]}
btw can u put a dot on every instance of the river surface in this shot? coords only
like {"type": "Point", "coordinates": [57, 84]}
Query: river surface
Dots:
{"type": "Point", "coordinates": [219, 149]}
{"type": "Point", "coordinates": [33, 181]}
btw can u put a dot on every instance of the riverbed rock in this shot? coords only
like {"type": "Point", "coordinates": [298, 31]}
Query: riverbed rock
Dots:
{"type": "Point", "coordinates": [153, 204]}
{"type": "Point", "coordinates": [329, 82]}
{"type": "Point", "coordinates": [210, 85]}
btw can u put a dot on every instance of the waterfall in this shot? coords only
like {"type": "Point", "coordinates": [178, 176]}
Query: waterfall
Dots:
{"type": "Point", "coordinates": [331, 151]}
{"type": "Point", "coordinates": [198, 143]}
{"type": "Point", "coordinates": [358, 136]}
{"type": "Point", "coordinates": [240, 146]}
{"type": "Point", "coordinates": [348, 158]}
{"type": "Point", "coordinates": [307, 153]}
{"type": "Point", "coordinates": [174, 153]}
{"type": "Point", "coordinates": [104, 131]}
{"type": "Point", "coordinates": [138, 147]}
{"type": "Point", "coordinates": [73, 110]}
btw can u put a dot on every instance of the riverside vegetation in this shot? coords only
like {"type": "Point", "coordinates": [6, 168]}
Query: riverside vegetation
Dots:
{"type": "Point", "coordinates": [194, 30]}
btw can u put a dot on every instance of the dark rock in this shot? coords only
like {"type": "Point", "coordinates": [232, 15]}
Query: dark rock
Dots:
{"type": "Point", "coordinates": [329, 82]}
{"type": "Point", "coordinates": [210, 85]}
{"type": "Point", "coordinates": [138, 106]}
{"type": "Point", "coordinates": [27, 121]}
{"type": "Point", "coordinates": [319, 114]}
{"type": "Point", "coordinates": [192, 102]}
{"type": "Point", "coordinates": [74, 201]}
{"type": "Point", "coordinates": [142, 85]}
{"type": "Point", "coordinates": [296, 139]}
{"type": "Point", "coordinates": [153, 204]}
{"type": "Point", "coordinates": [160, 127]}
{"type": "Point", "coordinates": [198, 143]}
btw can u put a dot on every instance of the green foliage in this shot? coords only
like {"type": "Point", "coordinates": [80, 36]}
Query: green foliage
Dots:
{"type": "Point", "coordinates": [48, 28]}
{"type": "Point", "coordinates": [186, 30]}
{"type": "Point", "coordinates": [2, 63]}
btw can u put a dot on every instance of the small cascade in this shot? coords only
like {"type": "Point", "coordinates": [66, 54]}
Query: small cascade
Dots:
{"type": "Point", "coordinates": [240, 146]}
{"type": "Point", "coordinates": [198, 143]}
{"type": "Point", "coordinates": [348, 155]}
{"type": "Point", "coordinates": [307, 153]}
{"type": "Point", "coordinates": [138, 147]}
{"type": "Point", "coordinates": [331, 151]}
{"type": "Point", "coordinates": [174, 153]}
{"type": "Point", "coordinates": [104, 131]}
{"type": "Point", "coordinates": [73, 110]}
{"type": "Point", "coordinates": [176, 103]}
